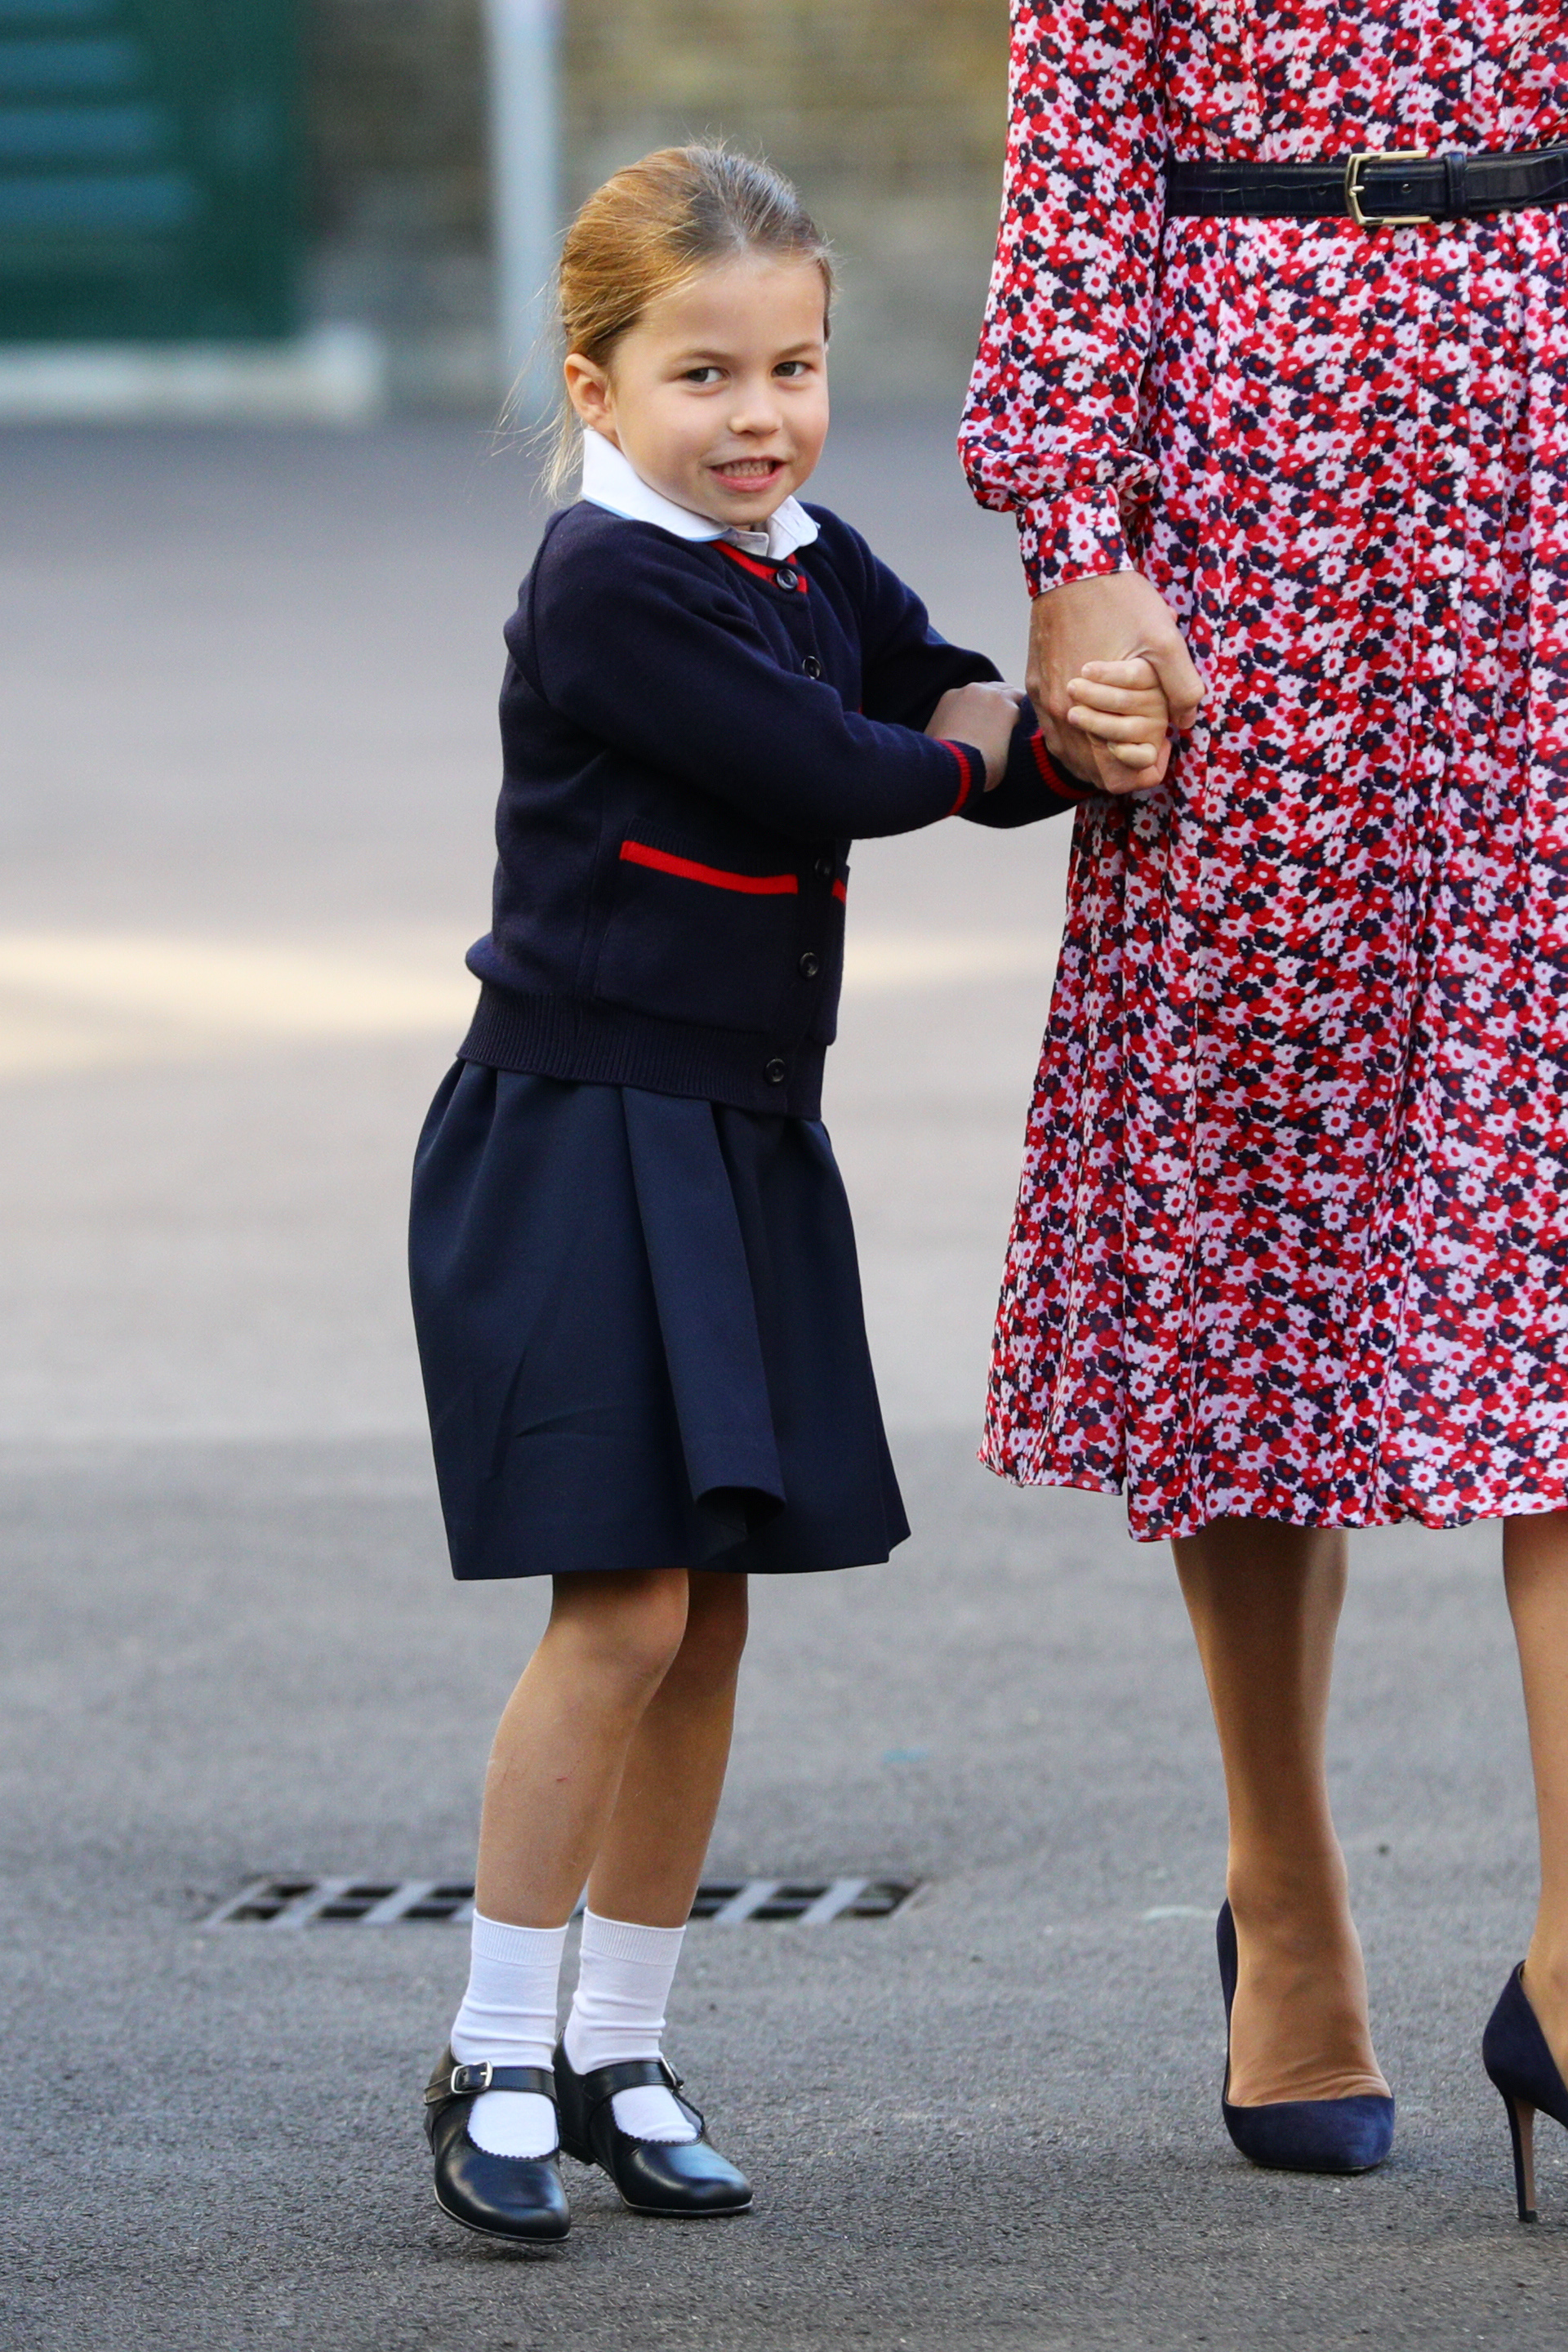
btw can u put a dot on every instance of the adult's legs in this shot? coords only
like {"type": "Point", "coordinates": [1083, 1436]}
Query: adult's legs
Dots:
{"type": "Point", "coordinates": [1535, 1571]}
{"type": "Point", "coordinates": [1264, 1598]}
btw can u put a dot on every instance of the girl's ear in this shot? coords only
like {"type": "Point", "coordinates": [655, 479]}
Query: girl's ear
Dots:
{"type": "Point", "coordinates": [588, 390]}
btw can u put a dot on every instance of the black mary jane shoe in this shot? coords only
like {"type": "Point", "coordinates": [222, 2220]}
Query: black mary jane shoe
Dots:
{"type": "Point", "coordinates": [685, 2179]}
{"type": "Point", "coordinates": [518, 2198]}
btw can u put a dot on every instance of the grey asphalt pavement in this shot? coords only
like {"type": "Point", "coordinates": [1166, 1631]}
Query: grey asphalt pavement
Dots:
{"type": "Point", "coordinates": [249, 753]}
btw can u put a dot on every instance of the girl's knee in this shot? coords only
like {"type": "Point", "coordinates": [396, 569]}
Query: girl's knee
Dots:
{"type": "Point", "coordinates": [628, 1626]}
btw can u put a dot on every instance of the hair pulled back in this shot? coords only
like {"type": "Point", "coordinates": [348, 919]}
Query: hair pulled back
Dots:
{"type": "Point", "coordinates": [651, 228]}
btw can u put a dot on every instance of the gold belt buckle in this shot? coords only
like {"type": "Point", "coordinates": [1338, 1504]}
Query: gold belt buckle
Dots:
{"type": "Point", "coordinates": [1353, 171]}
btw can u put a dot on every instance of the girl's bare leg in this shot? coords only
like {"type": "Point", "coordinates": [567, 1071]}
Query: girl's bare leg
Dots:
{"type": "Point", "coordinates": [1535, 1571]}
{"type": "Point", "coordinates": [1265, 1598]}
{"type": "Point", "coordinates": [650, 1855]}
{"type": "Point", "coordinates": [561, 1745]}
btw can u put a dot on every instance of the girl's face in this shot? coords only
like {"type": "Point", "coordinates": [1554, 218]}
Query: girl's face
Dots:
{"type": "Point", "coordinates": [718, 396]}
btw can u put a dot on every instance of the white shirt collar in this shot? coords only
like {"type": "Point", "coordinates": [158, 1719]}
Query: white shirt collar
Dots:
{"type": "Point", "coordinates": [610, 480]}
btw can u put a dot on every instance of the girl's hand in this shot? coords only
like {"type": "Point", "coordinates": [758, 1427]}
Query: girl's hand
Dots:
{"type": "Point", "coordinates": [1121, 706]}
{"type": "Point", "coordinates": [983, 715]}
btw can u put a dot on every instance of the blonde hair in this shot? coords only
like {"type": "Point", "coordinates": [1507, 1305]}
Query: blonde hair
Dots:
{"type": "Point", "coordinates": [652, 228]}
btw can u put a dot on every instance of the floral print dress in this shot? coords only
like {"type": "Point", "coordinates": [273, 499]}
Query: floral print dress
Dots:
{"type": "Point", "coordinates": [1292, 1233]}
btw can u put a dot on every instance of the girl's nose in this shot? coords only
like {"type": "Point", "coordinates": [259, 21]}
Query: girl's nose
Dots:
{"type": "Point", "coordinates": [756, 410]}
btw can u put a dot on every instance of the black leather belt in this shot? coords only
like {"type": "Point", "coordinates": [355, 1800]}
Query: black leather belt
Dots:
{"type": "Point", "coordinates": [1389, 189]}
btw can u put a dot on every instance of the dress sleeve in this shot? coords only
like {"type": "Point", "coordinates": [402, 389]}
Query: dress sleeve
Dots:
{"type": "Point", "coordinates": [1050, 426]}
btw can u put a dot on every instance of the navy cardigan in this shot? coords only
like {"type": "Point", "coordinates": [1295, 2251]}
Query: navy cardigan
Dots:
{"type": "Point", "coordinates": [692, 738]}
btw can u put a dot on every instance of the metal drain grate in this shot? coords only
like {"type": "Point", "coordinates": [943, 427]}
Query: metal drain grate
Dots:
{"type": "Point", "coordinates": [288, 1903]}
{"type": "Point", "coordinates": [812, 1902]}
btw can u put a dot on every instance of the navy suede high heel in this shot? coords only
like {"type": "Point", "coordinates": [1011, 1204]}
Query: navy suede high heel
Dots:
{"type": "Point", "coordinates": [1516, 2055]}
{"type": "Point", "coordinates": [1299, 2134]}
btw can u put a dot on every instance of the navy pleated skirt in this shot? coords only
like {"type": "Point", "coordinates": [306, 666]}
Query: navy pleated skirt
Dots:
{"type": "Point", "coordinates": [640, 1328]}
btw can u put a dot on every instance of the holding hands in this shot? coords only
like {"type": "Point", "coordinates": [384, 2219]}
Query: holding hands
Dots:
{"type": "Point", "coordinates": [1085, 638]}
{"type": "Point", "coordinates": [1118, 707]}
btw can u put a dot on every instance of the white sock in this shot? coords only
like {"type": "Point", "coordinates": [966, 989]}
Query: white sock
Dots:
{"type": "Point", "coordinates": [617, 2011]}
{"type": "Point", "coordinates": [508, 2017]}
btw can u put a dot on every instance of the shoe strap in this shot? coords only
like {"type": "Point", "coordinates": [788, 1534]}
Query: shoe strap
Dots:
{"type": "Point", "coordinates": [627, 2075]}
{"type": "Point", "coordinates": [599, 2088]}
{"type": "Point", "coordinates": [471, 2081]}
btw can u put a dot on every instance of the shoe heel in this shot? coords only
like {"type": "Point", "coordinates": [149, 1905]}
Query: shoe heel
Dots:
{"type": "Point", "coordinates": [1521, 2131]}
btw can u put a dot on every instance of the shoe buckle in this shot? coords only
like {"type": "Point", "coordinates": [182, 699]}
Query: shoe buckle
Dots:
{"type": "Point", "coordinates": [464, 2081]}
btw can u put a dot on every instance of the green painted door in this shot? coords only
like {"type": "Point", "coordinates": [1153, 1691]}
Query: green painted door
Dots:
{"type": "Point", "coordinates": [147, 170]}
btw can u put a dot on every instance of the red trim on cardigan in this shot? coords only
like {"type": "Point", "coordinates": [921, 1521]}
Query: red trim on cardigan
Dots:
{"type": "Point", "coordinates": [1072, 788]}
{"type": "Point", "coordinates": [841, 894]}
{"type": "Point", "coordinates": [760, 886]}
{"type": "Point", "coordinates": [753, 564]}
{"type": "Point", "coordinates": [965, 768]}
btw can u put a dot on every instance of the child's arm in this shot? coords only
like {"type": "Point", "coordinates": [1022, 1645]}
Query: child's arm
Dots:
{"type": "Point", "coordinates": [668, 667]}
{"type": "Point", "coordinates": [914, 677]}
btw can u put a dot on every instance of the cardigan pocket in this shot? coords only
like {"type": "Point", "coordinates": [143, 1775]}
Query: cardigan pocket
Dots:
{"type": "Point", "coordinates": [692, 940]}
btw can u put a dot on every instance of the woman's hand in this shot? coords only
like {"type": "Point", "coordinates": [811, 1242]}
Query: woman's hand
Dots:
{"type": "Point", "coordinates": [983, 715]}
{"type": "Point", "coordinates": [1120, 707]}
{"type": "Point", "coordinates": [1115, 616]}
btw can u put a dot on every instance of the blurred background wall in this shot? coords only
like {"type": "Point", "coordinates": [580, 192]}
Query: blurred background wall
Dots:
{"type": "Point", "coordinates": [889, 114]}
{"type": "Point", "coordinates": [397, 199]}
{"type": "Point", "coordinates": [223, 186]}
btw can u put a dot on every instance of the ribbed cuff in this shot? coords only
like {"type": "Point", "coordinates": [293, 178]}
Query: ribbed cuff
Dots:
{"type": "Point", "coordinates": [626, 1939]}
{"type": "Point", "coordinates": [496, 1939]}
{"type": "Point", "coordinates": [1061, 779]}
{"type": "Point", "coordinates": [970, 769]}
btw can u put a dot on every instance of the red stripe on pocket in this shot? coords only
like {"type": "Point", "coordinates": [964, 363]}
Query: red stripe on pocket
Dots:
{"type": "Point", "coordinates": [757, 886]}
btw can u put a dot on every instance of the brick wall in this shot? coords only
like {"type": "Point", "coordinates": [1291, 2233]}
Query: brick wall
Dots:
{"type": "Point", "coordinates": [888, 113]}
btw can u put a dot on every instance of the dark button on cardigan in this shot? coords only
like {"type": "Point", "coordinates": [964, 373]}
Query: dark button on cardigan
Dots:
{"type": "Point", "coordinates": [681, 787]}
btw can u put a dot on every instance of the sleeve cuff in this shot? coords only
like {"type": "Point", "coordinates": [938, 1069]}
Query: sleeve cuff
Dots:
{"type": "Point", "coordinates": [1061, 779]}
{"type": "Point", "coordinates": [1072, 539]}
{"type": "Point", "coordinates": [971, 772]}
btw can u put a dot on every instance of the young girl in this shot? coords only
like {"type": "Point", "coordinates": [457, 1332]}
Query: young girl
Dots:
{"type": "Point", "coordinates": [633, 1270]}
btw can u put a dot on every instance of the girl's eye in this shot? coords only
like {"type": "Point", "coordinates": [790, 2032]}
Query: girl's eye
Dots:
{"type": "Point", "coordinates": [790, 367]}
{"type": "Point", "coordinates": [700, 375]}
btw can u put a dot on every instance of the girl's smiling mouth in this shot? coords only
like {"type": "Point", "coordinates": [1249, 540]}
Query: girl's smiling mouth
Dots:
{"type": "Point", "coordinates": [749, 473]}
